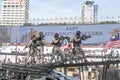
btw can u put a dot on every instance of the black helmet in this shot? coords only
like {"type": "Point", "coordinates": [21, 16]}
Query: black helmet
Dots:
{"type": "Point", "coordinates": [56, 35]}
{"type": "Point", "coordinates": [78, 33]}
{"type": "Point", "coordinates": [33, 36]}
{"type": "Point", "coordinates": [41, 33]}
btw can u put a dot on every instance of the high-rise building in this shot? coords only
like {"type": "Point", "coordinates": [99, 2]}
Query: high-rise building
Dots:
{"type": "Point", "coordinates": [89, 12]}
{"type": "Point", "coordinates": [95, 15]}
{"type": "Point", "coordinates": [14, 12]}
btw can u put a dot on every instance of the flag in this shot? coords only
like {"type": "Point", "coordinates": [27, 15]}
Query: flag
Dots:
{"type": "Point", "coordinates": [114, 40]}
{"type": "Point", "coordinates": [64, 44]}
{"type": "Point", "coordinates": [115, 37]}
{"type": "Point", "coordinates": [20, 3]}
{"type": "Point", "coordinates": [111, 44]}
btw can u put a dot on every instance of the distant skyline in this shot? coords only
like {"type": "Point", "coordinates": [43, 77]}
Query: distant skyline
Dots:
{"type": "Point", "coordinates": [69, 8]}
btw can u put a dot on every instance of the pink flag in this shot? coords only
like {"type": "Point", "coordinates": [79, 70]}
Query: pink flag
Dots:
{"type": "Point", "coordinates": [20, 3]}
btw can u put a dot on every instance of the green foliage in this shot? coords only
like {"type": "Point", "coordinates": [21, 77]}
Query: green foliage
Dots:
{"type": "Point", "coordinates": [108, 22]}
{"type": "Point", "coordinates": [28, 24]}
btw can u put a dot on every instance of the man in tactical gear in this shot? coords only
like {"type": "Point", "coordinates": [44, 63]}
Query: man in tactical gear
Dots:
{"type": "Point", "coordinates": [41, 39]}
{"type": "Point", "coordinates": [56, 42]}
{"type": "Point", "coordinates": [32, 48]}
{"type": "Point", "coordinates": [36, 47]}
{"type": "Point", "coordinates": [32, 42]}
{"type": "Point", "coordinates": [40, 44]}
{"type": "Point", "coordinates": [77, 40]}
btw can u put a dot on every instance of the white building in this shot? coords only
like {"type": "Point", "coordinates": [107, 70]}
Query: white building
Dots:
{"type": "Point", "coordinates": [89, 12]}
{"type": "Point", "coordinates": [14, 12]}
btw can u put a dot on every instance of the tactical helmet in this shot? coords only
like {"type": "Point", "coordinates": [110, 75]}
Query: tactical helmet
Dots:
{"type": "Point", "coordinates": [56, 35]}
{"type": "Point", "coordinates": [33, 36]}
{"type": "Point", "coordinates": [40, 33]}
{"type": "Point", "coordinates": [78, 33]}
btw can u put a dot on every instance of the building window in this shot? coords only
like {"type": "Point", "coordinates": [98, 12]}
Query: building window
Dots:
{"type": "Point", "coordinates": [12, 5]}
{"type": "Point", "coordinates": [8, 5]}
{"type": "Point", "coordinates": [4, 6]}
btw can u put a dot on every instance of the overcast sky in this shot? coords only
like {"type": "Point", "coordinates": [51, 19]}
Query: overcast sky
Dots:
{"type": "Point", "coordinates": [69, 8]}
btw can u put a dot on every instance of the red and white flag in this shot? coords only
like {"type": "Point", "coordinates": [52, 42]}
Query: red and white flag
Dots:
{"type": "Point", "coordinates": [20, 3]}
{"type": "Point", "coordinates": [64, 44]}
{"type": "Point", "coordinates": [111, 44]}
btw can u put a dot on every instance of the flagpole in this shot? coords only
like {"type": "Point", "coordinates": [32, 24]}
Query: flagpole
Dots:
{"type": "Point", "coordinates": [19, 4]}
{"type": "Point", "coordinates": [17, 35]}
{"type": "Point", "coordinates": [16, 45]}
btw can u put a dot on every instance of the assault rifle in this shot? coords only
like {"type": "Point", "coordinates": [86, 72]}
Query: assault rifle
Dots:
{"type": "Point", "coordinates": [84, 37]}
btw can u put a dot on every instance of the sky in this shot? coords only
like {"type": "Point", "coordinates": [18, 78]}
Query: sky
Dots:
{"type": "Point", "coordinates": [69, 8]}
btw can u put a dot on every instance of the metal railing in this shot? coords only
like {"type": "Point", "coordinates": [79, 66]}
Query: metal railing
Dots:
{"type": "Point", "coordinates": [73, 20]}
{"type": "Point", "coordinates": [69, 20]}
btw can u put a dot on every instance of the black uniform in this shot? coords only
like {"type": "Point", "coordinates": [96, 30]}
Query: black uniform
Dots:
{"type": "Point", "coordinates": [56, 42]}
{"type": "Point", "coordinates": [77, 40]}
{"type": "Point", "coordinates": [40, 44]}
